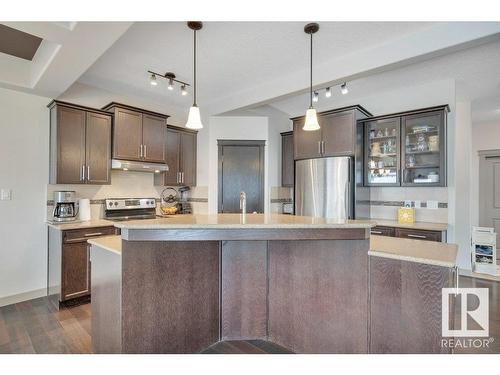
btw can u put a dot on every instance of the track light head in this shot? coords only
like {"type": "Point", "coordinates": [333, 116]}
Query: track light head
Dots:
{"type": "Point", "coordinates": [170, 84]}
{"type": "Point", "coordinates": [328, 92]}
{"type": "Point", "coordinates": [315, 97]}
{"type": "Point", "coordinates": [183, 90]}
{"type": "Point", "coordinates": [343, 88]}
{"type": "Point", "coordinates": [153, 80]}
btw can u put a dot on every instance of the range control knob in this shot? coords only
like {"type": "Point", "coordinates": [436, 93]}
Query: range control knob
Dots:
{"type": "Point", "coordinates": [116, 203]}
{"type": "Point", "coordinates": [110, 204]}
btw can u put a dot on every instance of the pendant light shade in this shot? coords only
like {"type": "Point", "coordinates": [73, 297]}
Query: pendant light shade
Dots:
{"type": "Point", "coordinates": [311, 122]}
{"type": "Point", "coordinates": [194, 118]}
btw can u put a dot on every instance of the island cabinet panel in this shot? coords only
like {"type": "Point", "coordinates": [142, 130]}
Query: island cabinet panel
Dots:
{"type": "Point", "coordinates": [244, 290]}
{"type": "Point", "coordinates": [405, 307]}
{"type": "Point", "coordinates": [170, 296]}
{"type": "Point", "coordinates": [318, 295]}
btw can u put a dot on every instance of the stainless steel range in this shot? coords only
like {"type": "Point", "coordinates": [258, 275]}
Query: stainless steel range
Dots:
{"type": "Point", "coordinates": [121, 209]}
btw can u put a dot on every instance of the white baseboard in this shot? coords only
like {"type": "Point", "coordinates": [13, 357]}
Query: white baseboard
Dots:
{"type": "Point", "coordinates": [9, 300]}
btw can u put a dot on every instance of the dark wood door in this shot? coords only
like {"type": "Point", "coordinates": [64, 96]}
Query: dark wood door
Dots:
{"type": "Point", "coordinates": [154, 138]}
{"type": "Point", "coordinates": [98, 148]}
{"type": "Point", "coordinates": [75, 270]}
{"type": "Point", "coordinates": [173, 157]}
{"type": "Point", "coordinates": [338, 133]}
{"type": "Point", "coordinates": [287, 162]}
{"type": "Point", "coordinates": [127, 135]}
{"type": "Point", "coordinates": [307, 144]}
{"type": "Point", "coordinates": [71, 145]}
{"type": "Point", "coordinates": [241, 168]}
{"type": "Point", "coordinates": [188, 159]}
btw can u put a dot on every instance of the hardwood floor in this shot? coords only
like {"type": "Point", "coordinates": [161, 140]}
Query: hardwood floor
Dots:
{"type": "Point", "coordinates": [36, 326]}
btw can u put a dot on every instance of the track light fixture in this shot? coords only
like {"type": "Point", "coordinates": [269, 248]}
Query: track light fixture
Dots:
{"type": "Point", "coordinates": [194, 118]}
{"type": "Point", "coordinates": [170, 77]}
{"type": "Point", "coordinates": [343, 88]}
{"type": "Point", "coordinates": [315, 97]}
{"type": "Point", "coordinates": [328, 92]}
{"type": "Point", "coordinates": [153, 80]}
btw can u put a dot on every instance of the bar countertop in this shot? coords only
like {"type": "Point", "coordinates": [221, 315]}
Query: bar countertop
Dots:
{"type": "Point", "coordinates": [419, 225]}
{"type": "Point", "coordinates": [426, 252]}
{"type": "Point", "coordinates": [95, 223]}
{"type": "Point", "coordinates": [111, 243]}
{"type": "Point", "coordinates": [248, 221]}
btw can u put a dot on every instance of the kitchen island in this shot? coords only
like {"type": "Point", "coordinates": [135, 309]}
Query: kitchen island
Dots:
{"type": "Point", "coordinates": [180, 284]}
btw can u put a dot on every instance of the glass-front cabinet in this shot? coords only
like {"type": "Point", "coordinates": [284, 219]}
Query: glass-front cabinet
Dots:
{"type": "Point", "coordinates": [424, 151]}
{"type": "Point", "coordinates": [382, 153]}
{"type": "Point", "coordinates": [406, 149]}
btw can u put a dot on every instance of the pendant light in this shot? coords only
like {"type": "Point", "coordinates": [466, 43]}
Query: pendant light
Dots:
{"type": "Point", "coordinates": [311, 122]}
{"type": "Point", "coordinates": [194, 119]}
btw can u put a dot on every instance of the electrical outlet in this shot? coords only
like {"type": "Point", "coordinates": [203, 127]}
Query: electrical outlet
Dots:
{"type": "Point", "coordinates": [433, 205]}
{"type": "Point", "coordinates": [417, 204]}
{"type": "Point", "coordinates": [407, 203]}
{"type": "Point", "coordinates": [5, 194]}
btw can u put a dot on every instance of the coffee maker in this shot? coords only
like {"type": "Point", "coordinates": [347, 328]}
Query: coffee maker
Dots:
{"type": "Point", "coordinates": [65, 206]}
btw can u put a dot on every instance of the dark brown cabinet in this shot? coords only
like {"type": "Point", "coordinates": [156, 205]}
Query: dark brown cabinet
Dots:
{"type": "Point", "coordinates": [337, 136]}
{"type": "Point", "coordinates": [383, 231]}
{"type": "Point", "coordinates": [406, 148]}
{"type": "Point", "coordinates": [287, 162]}
{"type": "Point", "coordinates": [417, 234]}
{"type": "Point", "coordinates": [80, 145]}
{"type": "Point", "coordinates": [138, 134]}
{"type": "Point", "coordinates": [181, 158]}
{"type": "Point", "coordinates": [69, 261]}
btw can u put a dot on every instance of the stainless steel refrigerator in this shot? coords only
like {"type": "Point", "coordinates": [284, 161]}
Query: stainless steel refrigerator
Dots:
{"type": "Point", "coordinates": [328, 187]}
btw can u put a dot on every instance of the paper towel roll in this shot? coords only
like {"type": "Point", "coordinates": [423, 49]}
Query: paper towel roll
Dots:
{"type": "Point", "coordinates": [84, 210]}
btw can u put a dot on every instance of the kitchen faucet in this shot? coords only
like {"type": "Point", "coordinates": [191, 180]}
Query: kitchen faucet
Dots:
{"type": "Point", "coordinates": [243, 203]}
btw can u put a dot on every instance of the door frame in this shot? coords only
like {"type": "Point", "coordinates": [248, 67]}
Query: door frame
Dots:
{"type": "Point", "coordinates": [221, 143]}
{"type": "Point", "coordinates": [483, 156]}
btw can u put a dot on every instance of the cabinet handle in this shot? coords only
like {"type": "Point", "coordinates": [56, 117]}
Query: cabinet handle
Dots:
{"type": "Point", "coordinates": [93, 234]}
{"type": "Point", "coordinates": [376, 232]}
{"type": "Point", "coordinates": [322, 147]}
{"type": "Point", "coordinates": [182, 177]}
{"type": "Point", "coordinates": [141, 151]}
{"type": "Point", "coordinates": [145, 151]}
{"type": "Point", "coordinates": [416, 236]}
{"type": "Point", "coordinates": [88, 173]}
{"type": "Point", "coordinates": [178, 174]}
{"type": "Point", "coordinates": [82, 174]}
{"type": "Point", "coordinates": [319, 147]}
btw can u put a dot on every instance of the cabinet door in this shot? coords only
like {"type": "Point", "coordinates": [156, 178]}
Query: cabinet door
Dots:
{"type": "Point", "coordinates": [173, 157]}
{"type": "Point", "coordinates": [414, 234]}
{"type": "Point", "coordinates": [307, 144]}
{"type": "Point", "coordinates": [127, 135]}
{"type": "Point", "coordinates": [424, 151]}
{"type": "Point", "coordinates": [75, 270]}
{"type": "Point", "coordinates": [98, 148]}
{"type": "Point", "coordinates": [188, 159]}
{"type": "Point", "coordinates": [382, 152]}
{"type": "Point", "coordinates": [154, 138]}
{"type": "Point", "coordinates": [338, 133]}
{"type": "Point", "coordinates": [287, 162]}
{"type": "Point", "coordinates": [71, 145]}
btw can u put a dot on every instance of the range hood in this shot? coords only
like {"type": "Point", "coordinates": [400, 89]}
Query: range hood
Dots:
{"type": "Point", "coordinates": [138, 166]}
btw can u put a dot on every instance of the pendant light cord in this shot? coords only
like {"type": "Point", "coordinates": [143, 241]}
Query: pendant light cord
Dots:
{"type": "Point", "coordinates": [311, 85]}
{"type": "Point", "coordinates": [194, 69]}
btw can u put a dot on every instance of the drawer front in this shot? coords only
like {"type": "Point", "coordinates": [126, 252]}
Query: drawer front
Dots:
{"type": "Point", "coordinates": [425, 235]}
{"type": "Point", "coordinates": [82, 235]}
{"type": "Point", "coordinates": [383, 231]}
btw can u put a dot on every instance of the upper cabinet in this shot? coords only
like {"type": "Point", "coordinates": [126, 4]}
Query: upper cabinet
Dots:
{"type": "Point", "coordinates": [181, 158]}
{"type": "Point", "coordinates": [407, 148]}
{"type": "Point", "coordinates": [337, 136]}
{"type": "Point", "coordinates": [287, 162]}
{"type": "Point", "coordinates": [138, 134]}
{"type": "Point", "coordinates": [80, 144]}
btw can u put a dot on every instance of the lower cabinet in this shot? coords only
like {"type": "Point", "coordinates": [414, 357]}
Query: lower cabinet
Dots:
{"type": "Point", "coordinates": [69, 261]}
{"type": "Point", "coordinates": [415, 234]}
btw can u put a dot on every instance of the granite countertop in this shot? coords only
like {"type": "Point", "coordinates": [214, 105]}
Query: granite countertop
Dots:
{"type": "Point", "coordinates": [236, 221]}
{"type": "Point", "coordinates": [111, 243]}
{"type": "Point", "coordinates": [96, 223]}
{"type": "Point", "coordinates": [416, 225]}
{"type": "Point", "coordinates": [426, 252]}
